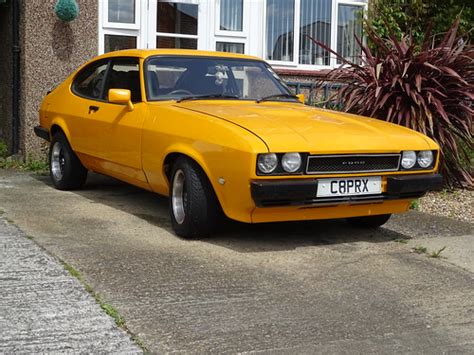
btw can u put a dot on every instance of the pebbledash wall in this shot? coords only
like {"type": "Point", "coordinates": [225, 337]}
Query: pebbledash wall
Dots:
{"type": "Point", "coordinates": [50, 51]}
{"type": "Point", "coordinates": [272, 29]}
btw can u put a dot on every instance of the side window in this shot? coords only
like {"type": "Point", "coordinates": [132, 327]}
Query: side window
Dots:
{"type": "Point", "coordinates": [125, 74]}
{"type": "Point", "coordinates": [90, 81]}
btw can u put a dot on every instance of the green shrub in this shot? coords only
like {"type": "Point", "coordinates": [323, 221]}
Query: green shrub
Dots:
{"type": "Point", "coordinates": [411, 17]}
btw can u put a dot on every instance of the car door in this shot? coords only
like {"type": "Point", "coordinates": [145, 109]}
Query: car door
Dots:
{"type": "Point", "coordinates": [118, 130]}
{"type": "Point", "coordinates": [87, 94]}
{"type": "Point", "coordinates": [110, 134]}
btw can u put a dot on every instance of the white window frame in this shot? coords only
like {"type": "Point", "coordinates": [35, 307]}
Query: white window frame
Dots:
{"type": "Point", "coordinates": [119, 25]}
{"type": "Point", "coordinates": [253, 35]}
{"type": "Point", "coordinates": [126, 33]}
{"type": "Point", "coordinates": [294, 64]}
{"type": "Point", "coordinates": [231, 40]}
{"type": "Point", "coordinates": [346, 2]}
{"type": "Point", "coordinates": [245, 19]}
{"type": "Point", "coordinates": [118, 29]}
{"type": "Point", "coordinates": [153, 34]}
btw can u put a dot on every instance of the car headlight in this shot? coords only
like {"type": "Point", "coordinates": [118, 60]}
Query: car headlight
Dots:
{"type": "Point", "coordinates": [408, 159]}
{"type": "Point", "coordinates": [425, 158]}
{"type": "Point", "coordinates": [267, 163]}
{"type": "Point", "coordinates": [291, 162]}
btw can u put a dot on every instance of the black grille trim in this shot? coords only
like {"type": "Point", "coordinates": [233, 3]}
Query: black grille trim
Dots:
{"type": "Point", "coordinates": [332, 164]}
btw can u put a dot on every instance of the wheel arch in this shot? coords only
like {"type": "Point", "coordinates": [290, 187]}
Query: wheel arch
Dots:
{"type": "Point", "coordinates": [58, 125]}
{"type": "Point", "coordinates": [173, 154]}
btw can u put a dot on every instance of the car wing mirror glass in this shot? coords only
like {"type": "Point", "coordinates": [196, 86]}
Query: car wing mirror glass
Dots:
{"type": "Point", "coordinates": [121, 97]}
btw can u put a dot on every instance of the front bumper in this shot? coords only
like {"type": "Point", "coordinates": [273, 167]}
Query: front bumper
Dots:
{"type": "Point", "coordinates": [42, 133]}
{"type": "Point", "coordinates": [273, 193]}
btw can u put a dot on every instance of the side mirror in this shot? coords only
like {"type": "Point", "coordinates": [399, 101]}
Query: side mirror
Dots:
{"type": "Point", "coordinates": [301, 98]}
{"type": "Point", "coordinates": [122, 97]}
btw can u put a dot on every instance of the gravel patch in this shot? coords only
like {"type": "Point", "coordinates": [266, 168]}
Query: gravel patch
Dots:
{"type": "Point", "coordinates": [457, 204]}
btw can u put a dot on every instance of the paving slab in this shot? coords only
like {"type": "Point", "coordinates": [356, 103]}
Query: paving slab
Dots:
{"type": "Point", "coordinates": [43, 309]}
{"type": "Point", "coordinates": [308, 287]}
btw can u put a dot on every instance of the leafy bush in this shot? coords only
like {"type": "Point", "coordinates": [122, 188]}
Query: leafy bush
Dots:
{"type": "Point", "coordinates": [430, 91]}
{"type": "Point", "coordinates": [412, 16]}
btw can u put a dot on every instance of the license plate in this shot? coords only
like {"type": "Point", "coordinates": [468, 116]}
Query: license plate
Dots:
{"type": "Point", "coordinates": [349, 186]}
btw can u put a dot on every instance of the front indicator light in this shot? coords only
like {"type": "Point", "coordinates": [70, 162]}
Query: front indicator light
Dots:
{"type": "Point", "coordinates": [267, 163]}
{"type": "Point", "coordinates": [291, 162]}
{"type": "Point", "coordinates": [408, 159]}
{"type": "Point", "coordinates": [425, 158]}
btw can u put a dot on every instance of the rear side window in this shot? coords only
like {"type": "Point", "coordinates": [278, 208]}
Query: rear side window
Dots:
{"type": "Point", "coordinates": [90, 81]}
{"type": "Point", "coordinates": [124, 73]}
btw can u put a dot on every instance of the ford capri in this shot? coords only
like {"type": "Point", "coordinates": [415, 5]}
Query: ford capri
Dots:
{"type": "Point", "coordinates": [221, 134]}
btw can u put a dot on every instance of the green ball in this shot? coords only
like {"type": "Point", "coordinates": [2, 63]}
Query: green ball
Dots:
{"type": "Point", "coordinates": [66, 10]}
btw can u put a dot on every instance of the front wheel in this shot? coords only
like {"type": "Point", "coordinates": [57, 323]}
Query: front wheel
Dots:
{"type": "Point", "coordinates": [369, 221]}
{"type": "Point", "coordinates": [65, 168]}
{"type": "Point", "coordinates": [194, 208]}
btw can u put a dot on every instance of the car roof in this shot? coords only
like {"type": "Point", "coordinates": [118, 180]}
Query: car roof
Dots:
{"type": "Point", "coordinates": [145, 53]}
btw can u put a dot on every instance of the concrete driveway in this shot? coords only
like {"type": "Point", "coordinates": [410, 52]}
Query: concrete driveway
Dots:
{"type": "Point", "coordinates": [293, 287]}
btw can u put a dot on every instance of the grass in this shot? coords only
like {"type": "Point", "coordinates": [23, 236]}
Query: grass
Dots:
{"type": "Point", "coordinates": [111, 311]}
{"type": "Point", "coordinates": [420, 250]}
{"type": "Point", "coordinates": [3, 149]}
{"type": "Point", "coordinates": [415, 205]}
{"type": "Point", "coordinates": [401, 240]}
{"type": "Point", "coordinates": [424, 250]}
{"type": "Point", "coordinates": [107, 307]}
{"type": "Point", "coordinates": [30, 164]}
{"type": "Point", "coordinates": [437, 254]}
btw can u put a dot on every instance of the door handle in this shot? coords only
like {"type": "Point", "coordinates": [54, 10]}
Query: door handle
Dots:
{"type": "Point", "coordinates": [93, 109]}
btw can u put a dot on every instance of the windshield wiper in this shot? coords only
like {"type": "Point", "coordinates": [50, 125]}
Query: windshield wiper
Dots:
{"type": "Point", "coordinates": [208, 96]}
{"type": "Point", "coordinates": [266, 98]}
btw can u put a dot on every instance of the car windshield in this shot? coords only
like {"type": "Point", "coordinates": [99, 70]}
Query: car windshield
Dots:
{"type": "Point", "coordinates": [187, 78]}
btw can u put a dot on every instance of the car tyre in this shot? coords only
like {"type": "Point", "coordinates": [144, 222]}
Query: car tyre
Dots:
{"type": "Point", "coordinates": [193, 205]}
{"type": "Point", "coordinates": [65, 168]}
{"type": "Point", "coordinates": [369, 221]}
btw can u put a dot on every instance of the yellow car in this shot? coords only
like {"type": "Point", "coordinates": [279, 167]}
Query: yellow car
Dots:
{"type": "Point", "coordinates": [221, 132]}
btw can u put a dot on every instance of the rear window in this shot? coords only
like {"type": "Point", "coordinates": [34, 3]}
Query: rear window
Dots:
{"type": "Point", "coordinates": [90, 81]}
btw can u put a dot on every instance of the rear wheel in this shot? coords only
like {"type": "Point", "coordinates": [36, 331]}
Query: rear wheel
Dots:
{"type": "Point", "coordinates": [369, 221]}
{"type": "Point", "coordinates": [194, 208]}
{"type": "Point", "coordinates": [66, 171]}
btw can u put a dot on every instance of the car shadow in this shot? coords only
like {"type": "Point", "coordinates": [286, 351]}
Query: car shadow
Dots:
{"type": "Point", "coordinates": [240, 237]}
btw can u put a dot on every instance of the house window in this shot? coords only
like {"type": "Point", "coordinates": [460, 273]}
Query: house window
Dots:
{"type": "Point", "coordinates": [315, 22]}
{"type": "Point", "coordinates": [177, 24]}
{"type": "Point", "coordinates": [230, 47]}
{"type": "Point", "coordinates": [120, 24]}
{"type": "Point", "coordinates": [280, 30]}
{"type": "Point", "coordinates": [118, 42]}
{"type": "Point", "coordinates": [292, 24]}
{"type": "Point", "coordinates": [176, 42]}
{"type": "Point", "coordinates": [231, 15]}
{"type": "Point", "coordinates": [348, 26]}
{"type": "Point", "coordinates": [121, 11]}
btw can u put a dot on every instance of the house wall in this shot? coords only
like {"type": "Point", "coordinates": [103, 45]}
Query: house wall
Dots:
{"type": "Point", "coordinates": [5, 72]}
{"type": "Point", "coordinates": [51, 51]}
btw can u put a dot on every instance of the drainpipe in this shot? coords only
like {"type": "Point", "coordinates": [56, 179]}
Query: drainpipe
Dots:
{"type": "Point", "coordinates": [16, 76]}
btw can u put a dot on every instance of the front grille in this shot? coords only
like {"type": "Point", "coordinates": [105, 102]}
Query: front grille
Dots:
{"type": "Point", "coordinates": [360, 163]}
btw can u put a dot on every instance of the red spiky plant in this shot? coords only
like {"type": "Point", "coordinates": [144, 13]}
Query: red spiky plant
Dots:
{"type": "Point", "coordinates": [429, 89]}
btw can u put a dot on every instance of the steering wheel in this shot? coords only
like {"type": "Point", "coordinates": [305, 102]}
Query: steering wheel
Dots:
{"type": "Point", "coordinates": [180, 91]}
